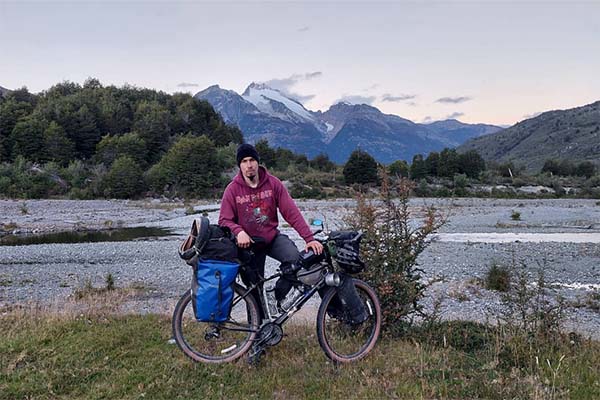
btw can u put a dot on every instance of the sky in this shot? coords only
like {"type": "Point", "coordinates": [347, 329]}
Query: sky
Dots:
{"type": "Point", "coordinates": [496, 62]}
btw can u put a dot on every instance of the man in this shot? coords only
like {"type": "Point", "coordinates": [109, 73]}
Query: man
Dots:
{"type": "Point", "coordinates": [249, 208]}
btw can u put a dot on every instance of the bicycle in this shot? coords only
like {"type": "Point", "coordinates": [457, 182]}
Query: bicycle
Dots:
{"type": "Point", "coordinates": [340, 338]}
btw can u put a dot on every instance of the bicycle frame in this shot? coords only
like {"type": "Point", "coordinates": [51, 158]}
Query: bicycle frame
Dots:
{"type": "Point", "coordinates": [296, 306]}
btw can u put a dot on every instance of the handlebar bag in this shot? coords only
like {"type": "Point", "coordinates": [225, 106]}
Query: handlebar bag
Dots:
{"type": "Point", "coordinates": [212, 289]}
{"type": "Point", "coordinates": [345, 249]}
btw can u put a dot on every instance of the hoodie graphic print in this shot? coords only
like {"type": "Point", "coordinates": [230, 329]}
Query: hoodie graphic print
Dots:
{"type": "Point", "coordinates": [254, 210]}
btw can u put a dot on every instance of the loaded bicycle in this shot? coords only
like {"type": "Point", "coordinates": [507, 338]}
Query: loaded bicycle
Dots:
{"type": "Point", "coordinates": [342, 337]}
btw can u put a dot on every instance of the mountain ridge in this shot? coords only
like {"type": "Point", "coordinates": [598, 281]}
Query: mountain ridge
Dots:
{"type": "Point", "coordinates": [572, 134]}
{"type": "Point", "coordinates": [262, 112]}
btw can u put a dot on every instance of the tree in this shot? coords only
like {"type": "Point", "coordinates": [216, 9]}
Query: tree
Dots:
{"type": "Point", "coordinates": [190, 167]}
{"type": "Point", "coordinates": [113, 147]}
{"type": "Point", "coordinates": [418, 168]}
{"type": "Point", "coordinates": [27, 138]}
{"type": "Point", "coordinates": [86, 133]}
{"type": "Point", "coordinates": [58, 147]}
{"type": "Point", "coordinates": [322, 163]}
{"type": "Point", "coordinates": [551, 166]}
{"type": "Point", "coordinates": [585, 168]}
{"type": "Point", "coordinates": [360, 168]}
{"type": "Point", "coordinates": [152, 123]}
{"type": "Point", "coordinates": [432, 163]}
{"type": "Point", "coordinates": [471, 164]}
{"type": "Point", "coordinates": [15, 106]}
{"type": "Point", "coordinates": [399, 169]}
{"type": "Point", "coordinates": [124, 179]}
{"type": "Point", "coordinates": [448, 165]}
{"type": "Point", "coordinates": [566, 168]}
{"type": "Point", "coordinates": [266, 153]}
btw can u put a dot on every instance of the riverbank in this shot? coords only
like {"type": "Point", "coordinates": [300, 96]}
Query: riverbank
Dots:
{"type": "Point", "coordinates": [52, 273]}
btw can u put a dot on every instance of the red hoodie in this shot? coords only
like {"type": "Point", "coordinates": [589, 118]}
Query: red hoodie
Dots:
{"type": "Point", "coordinates": [255, 210]}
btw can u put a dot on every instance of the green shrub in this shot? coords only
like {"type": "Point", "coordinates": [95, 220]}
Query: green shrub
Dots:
{"type": "Point", "coordinates": [515, 216]}
{"type": "Point", "coordinates": [390, 248]}
{"type": "Point", "coordinates": [498, 278]}
{"type": "Point", "coordinates": [124, 179]}
{"type": "Point", "coordinates": [190, 167]}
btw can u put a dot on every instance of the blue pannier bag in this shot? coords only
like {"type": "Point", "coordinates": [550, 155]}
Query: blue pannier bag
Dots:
{"type": "Point", "coordinates": [212, 289]}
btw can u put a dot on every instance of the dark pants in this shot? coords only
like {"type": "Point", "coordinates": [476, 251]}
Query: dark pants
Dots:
{"type": "Point", "coordinates": [281, 249]}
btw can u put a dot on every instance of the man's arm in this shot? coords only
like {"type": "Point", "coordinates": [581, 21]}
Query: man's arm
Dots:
{"type": "Point", "coordinates": [290, 212]}
{"type": "Point", "coordinates": [228, 214]}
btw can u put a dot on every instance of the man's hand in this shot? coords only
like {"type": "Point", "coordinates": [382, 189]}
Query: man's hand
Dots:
{"type": "Point", "coordinates": [315, 246]}
{"type": "Point", "coordinates": [243, 240]}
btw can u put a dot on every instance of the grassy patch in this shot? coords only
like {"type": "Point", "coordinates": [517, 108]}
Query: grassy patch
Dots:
{"type": "Point", "coordinates": [497, 278]}
{"type": "Point", "coordinates": [90, 357]}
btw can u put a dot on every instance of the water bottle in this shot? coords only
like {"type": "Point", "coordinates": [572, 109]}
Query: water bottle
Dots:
{"type": "Point", "coordinates": [270, 299]}
{"type": "Point", "coordinates": [291, 298]}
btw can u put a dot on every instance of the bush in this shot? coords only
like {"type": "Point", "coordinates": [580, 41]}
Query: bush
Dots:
{"type": "Point", "coordinates": [390, 249]}
{"type": "Point", "coordinates": [497, 278]}
{"type": "Point", "coordinates": [190, 167]}
{"type": "Point", "coordinates": [124, 179]}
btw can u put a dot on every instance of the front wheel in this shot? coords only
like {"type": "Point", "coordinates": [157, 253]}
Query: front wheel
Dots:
{"type": "Point", "coordinates": [341, 340]}
{"type": "Point", "coordinates": [216, 342]}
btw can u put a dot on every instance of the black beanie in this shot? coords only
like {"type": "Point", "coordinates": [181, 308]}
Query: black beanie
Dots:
{"type": "Point", "coordinates": [246, 150]}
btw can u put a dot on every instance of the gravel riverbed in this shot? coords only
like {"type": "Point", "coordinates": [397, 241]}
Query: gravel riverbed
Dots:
{"type": "Point", "coordinates": [50, 273]}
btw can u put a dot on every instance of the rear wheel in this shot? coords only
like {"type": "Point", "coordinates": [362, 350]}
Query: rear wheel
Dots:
{"type": "Point", "coordinates": [216, 342]}
{"type": "Point", "coordinates": [341, 340]}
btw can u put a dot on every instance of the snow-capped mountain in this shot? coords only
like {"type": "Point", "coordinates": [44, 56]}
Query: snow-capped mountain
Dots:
{"type": "Point", "coordinates": [262, 112]}
{"type": "Point", "coordinates": [274, 103]}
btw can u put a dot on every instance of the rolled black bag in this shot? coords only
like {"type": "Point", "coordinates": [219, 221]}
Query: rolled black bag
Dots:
{"type": "Point", "coordinates": [346, 304]}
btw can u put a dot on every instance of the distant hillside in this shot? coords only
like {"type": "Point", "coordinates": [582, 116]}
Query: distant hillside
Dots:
{"type": "Point", "coordinates": [3, 91]}
{"type": "Point", "coordinates": [572, 134]}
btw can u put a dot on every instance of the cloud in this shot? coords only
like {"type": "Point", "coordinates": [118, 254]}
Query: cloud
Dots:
{"type": "Point", "coordinates": [453, 100]}
{"type": "Point", "coordinates": [427, 119]}
{"type": "Point", "coordinates": [356, 99]}
{"type": "Point", "coordinates": [303, 29]}
{"type": "Point", "coordinates": [402, 97]}
{"type": "Point", "coordinates": [186, 85]}
{"type": "Point", "coordinates": [455, 115]}
{"type": "Point", "coordinates": [284, 85]}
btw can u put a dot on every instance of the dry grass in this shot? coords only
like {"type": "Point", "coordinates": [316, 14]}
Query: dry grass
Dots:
{"type": "Point", "coordinates": [90, 354]}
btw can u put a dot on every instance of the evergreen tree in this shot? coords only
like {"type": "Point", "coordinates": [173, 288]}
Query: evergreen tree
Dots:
{"type": "Point", "coordinates": [58, 147]}
{"type": "Point", "coordinates": [152, 124]}
{"type": "Point", "coordinates": [448, 164]}
{"type": "Point", "coordinates": [360, 168]}
{"type": "Point", "coordinates": [266, 153]}
{"type": "Point", "coordinates": [85, 132]}
{"type": "Point", "coordinates": [418, 168]}
{"type": "Point", "coordinates": [27, 138]}
{"type": "Point", "coordinates": [322, 163]}
{"type": "Point", "coordinates": [432, 163]}
{"type": "Point", "coordinates": [585, 168]}
{"type": "Point", "coordinates": [15, 106]}
{"type": "Point", "coordinates": [471, 164]}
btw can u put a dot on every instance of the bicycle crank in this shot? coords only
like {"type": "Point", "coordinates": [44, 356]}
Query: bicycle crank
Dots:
{"type": "Point", "coordinates": [270, 334]}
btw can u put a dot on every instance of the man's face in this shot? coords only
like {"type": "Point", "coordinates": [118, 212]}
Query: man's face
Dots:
{"type": "Point", "coordinates": [249, 168]}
